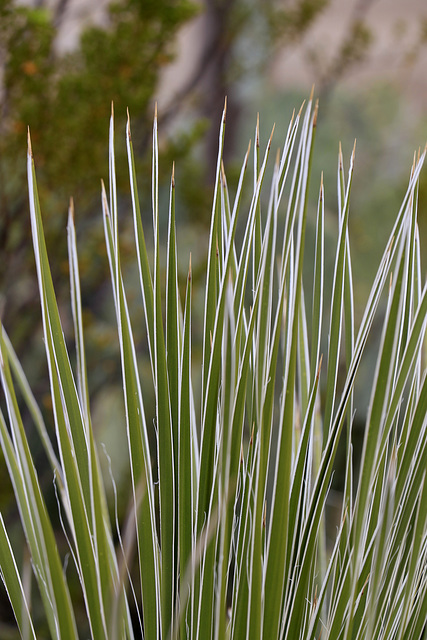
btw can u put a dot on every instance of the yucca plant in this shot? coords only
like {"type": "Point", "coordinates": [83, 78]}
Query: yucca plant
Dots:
{"type": "Point", "coordinates": [227, 538]}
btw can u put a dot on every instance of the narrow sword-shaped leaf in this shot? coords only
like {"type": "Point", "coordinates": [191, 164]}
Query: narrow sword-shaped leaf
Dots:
{"type": "Point", "coordinates": [72, 437]}
{"type": "Point", "coordinates": [186, 471]}
{"type": "Point", "coordinates": [165, 440]}
{"type": "Point", "coordinates": [102, 537]}
{"type": "Point", "coordinates": [143, 263]}
{"type": "Point", "coordinates": [139, 451]}
{"type": "Point", "coordinates": [30, 401]}
{"type": "Point", "coordinates": [277, 546]}
{"type": "Point", "coordinates": [335, 328]}
{"type": "Point", "coordinates": [33, 513]}
{"type": "Point", "coordinates": [13, 583]}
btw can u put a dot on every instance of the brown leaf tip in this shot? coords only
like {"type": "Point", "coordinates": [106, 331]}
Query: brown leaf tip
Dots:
{"type": "Point", "coordinates": [271, 135]}
{"type": "Point", "coordinates": [316, 113]}
{"type": "Point", "coordinates": [247, 154]}
{"type": "Point", "coordinates": [71, 209]}
{"type": "Point", "coordinates": [320, 366]}
{"type": "Point", "coordinates": [128, 125]}
{"type": "Point", "coordinates": [30, 151]}
{"type": "Point", "coordinates": [340, 158]}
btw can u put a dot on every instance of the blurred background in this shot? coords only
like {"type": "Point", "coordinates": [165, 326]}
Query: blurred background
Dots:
{"type": "Point", "coordinates": [62, 62]}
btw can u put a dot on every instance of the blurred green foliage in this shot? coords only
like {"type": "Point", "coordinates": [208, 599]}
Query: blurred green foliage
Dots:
{"type": "Point", "coordinates": [64, 99]}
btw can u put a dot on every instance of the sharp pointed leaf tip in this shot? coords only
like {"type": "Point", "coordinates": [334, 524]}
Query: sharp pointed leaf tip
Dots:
{"type": "Point", "coordinates": [30, 151]}
{"type": "Point", "coordinates": [301, 108]}
{"type": "Point", "coordinates": [353, 155]}
{"type": "Point", "coordinates": [103, 192]}
{"type": "Point", "coordinates": [247, 154]}
{"type": "Point", "coordinates": [189, 269]}
{"type": "Point", "coordinates": [320, 366]}
{"type": "Point", "coordinates": [173, 175]}
{"type": "Point", "coordinates": [312, 92]}
{"type": "Point", "coordinates": [128, 125]}
{"type": "Point", "coordinates": [71, 209]}
{"type": "Point", "coordinates": [316, 113]}
{"type": "Point", "coordinates": [271, 135]}
{"type": "Point", "coordinates": [105, 205]}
